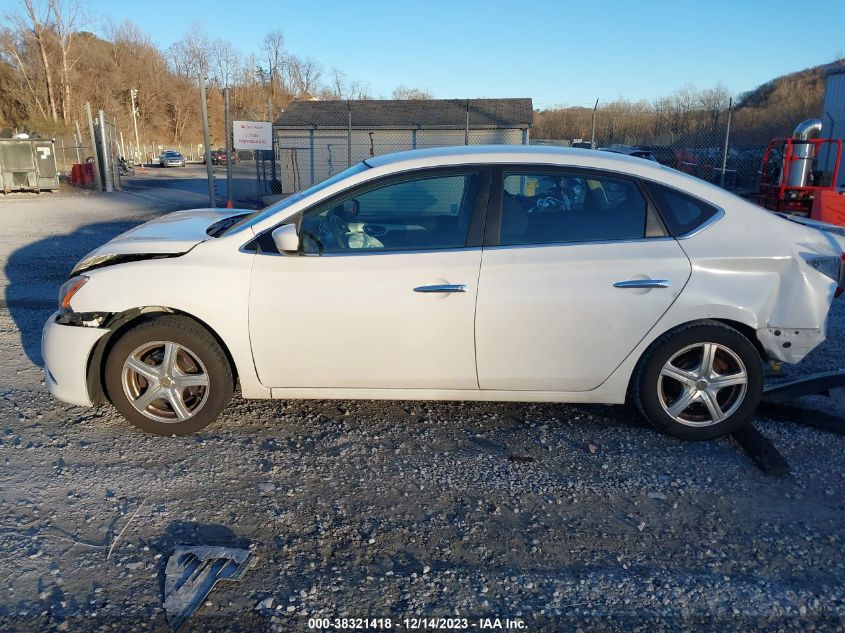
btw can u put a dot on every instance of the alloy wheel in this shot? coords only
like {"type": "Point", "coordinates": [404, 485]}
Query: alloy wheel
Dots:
{"type": "Point", "coordinates": [165, 381]}
{"type": "Point", "coordinates": [702, 384]}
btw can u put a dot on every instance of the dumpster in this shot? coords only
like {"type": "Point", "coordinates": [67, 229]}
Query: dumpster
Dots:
{"type": "Point", "coordinates": [27, 164]}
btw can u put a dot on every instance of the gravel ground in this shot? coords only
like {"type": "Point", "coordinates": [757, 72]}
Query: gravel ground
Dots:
{"type": "Point", "coordinates": [560, 517]}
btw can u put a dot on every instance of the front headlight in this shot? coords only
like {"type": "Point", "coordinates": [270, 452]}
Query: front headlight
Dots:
{"type": "Point", "coordinates": [94, 261]}
{"type": "Point", "coordinates": [68, 289]}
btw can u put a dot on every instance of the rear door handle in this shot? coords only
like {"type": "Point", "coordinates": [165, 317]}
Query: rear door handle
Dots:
{"type": "Point", "coordinates": [642, 283]}
{"type": "Point", "coordinates": [442, 288]}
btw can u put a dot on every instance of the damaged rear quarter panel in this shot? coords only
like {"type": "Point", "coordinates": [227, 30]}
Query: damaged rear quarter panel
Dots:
{"type": "Point", "coordinates": [750, 267]}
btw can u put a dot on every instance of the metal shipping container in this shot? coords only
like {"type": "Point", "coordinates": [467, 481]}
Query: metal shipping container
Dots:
{"type": "Point", "coordinates": [27, 165]}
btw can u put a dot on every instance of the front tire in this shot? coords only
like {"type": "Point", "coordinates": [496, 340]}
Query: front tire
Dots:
{"type": "Point", "coordinates": [168, 376]}
{"type": "Point", "coordinates": [700, 381]}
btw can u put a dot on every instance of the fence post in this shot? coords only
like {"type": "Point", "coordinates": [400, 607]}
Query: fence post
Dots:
{"type": "Point", "coordinates": [227, 116]}
{"type": "Point", "coordinates": [104, 148]}
{"type": "Point", "coordinates": [78, 143]}
{"type": "Point", "coordinates": [727, 142]}
{"type": "Point", "coordinates": [311, 147]}
{"type": "Point", "coordinates": [466, 129]}
{"type": "Point", "coordinates": [255, 156]}
{"type": "Point", "coordinates": [349, 134]}
{"type": "Point", "coordinates": [212, 198]}
{"type": "Point", "coordinates": [134, 93]}
{"type": "Point", "coordinates": [94, 147]}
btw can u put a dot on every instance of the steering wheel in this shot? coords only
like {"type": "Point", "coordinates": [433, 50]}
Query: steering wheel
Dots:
{"type": "Point", "coordinates": [550, 204]}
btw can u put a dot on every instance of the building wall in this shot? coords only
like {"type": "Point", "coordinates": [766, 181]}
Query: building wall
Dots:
{"type": "Point", "coordinates": [296, 170]}
{"type": "Point", "coordinates": [833, 121]}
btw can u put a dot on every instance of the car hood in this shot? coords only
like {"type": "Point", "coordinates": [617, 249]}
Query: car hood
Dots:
{"type": "Point", "coordinates": [170, 235]}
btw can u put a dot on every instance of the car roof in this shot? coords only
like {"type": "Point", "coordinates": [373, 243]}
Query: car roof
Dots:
{"type": "Point", "coordinates": [473, 154]}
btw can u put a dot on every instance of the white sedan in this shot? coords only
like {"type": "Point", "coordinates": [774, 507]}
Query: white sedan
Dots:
{"type": "Point", "coordinates": [472, 273]}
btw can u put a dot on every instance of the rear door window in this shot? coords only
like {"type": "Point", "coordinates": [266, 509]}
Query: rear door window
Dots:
{"type": "Point", "coordinates": [559, 207]}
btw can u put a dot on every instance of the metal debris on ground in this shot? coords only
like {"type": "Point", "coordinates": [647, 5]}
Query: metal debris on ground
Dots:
{"type": "Point", "coordinates": [775, 403]}
{"type": "Point", "coordinates": [193, 571]}
{"type": "Point", "coordinates": [762, 452]}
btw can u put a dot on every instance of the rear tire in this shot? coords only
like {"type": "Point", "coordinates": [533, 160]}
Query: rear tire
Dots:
{"type": "Point", "coordinates": [168, 376]}
{"type": "Point", "coordinates": [700, 381]}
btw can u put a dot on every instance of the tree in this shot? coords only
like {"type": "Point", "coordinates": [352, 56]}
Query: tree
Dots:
{"type": "Point", "coordinates": [33, 22]}
{"type": "Point", "coordinates": [273, 49]}
{"type": "Point", "coordinates": [225, 60]}
{"type": "Point", "coordinates": [66, 20]}
{"type": "Point", "coordinates": [340, 87]}
{"type": "Point", "coordinates": [13, 53]}
{"type": "Point", "coordinates": [191, 55]}
{"type": "Point", "coordinates": [303, 74]}
{"type": "Point", "coordinates": [714, 101]}
{"type": "Point", "coordinates": [403, 92]}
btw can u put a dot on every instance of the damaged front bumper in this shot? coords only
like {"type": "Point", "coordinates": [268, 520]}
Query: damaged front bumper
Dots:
{"type": "Point", "coordinates": [66, 350]}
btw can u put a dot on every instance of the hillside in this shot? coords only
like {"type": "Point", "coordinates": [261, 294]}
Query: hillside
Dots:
{"type": "Point", "coordinates": [696, 118]}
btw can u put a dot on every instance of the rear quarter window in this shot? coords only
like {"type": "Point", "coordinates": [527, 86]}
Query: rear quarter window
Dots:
{"type": "Point", "coordinates": [682, 213]}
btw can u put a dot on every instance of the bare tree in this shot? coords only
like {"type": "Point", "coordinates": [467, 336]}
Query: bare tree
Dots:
{"type": "Point", "coordinates": [225, 60]}
{"type": "Point", "coordinates": [714, 101]}
{"type": "Point", "coordinates": [34, 22]}
{"type": "Point", "coordinates": [303, 74]}
{"type": "Point", "coordinates": [10, 52]}
{"type": "Point", "coordinates": [404, 92]}
{"type": "Point", "coordinates": [67, 18]}
{"type": "Point", "coordinates": [190, 56]}
{"type": "Point", "coordinates": [337, 88]}
{"type": "Point", "coordinates": [358, 90]}
{"type": "Point", "coordinates": [273, 49]}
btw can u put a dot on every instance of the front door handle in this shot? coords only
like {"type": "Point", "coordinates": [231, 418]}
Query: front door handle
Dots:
{"type": "Point", "coordinates": [442, 288]}
{"type": "Point", "coordinates": [642, 283]}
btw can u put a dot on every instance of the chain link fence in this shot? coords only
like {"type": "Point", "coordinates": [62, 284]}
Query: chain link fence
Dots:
{"type": "Point", "coordinates": [721, 145]}
{"type": "Point", "coordinates": [315, 140]}
{"type": "Point", "coordinates": [724, 146]}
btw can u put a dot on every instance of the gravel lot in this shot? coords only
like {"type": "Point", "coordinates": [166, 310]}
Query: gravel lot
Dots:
{"type": "Point", "coordinates": [559, 516]}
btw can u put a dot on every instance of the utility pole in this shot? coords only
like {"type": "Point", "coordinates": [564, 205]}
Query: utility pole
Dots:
{"type": "Point", "coordinates": [212, 202]}
{"type": "Point", "coordinates": [593, 127]}
{"type": "Point", "coordinates": [94, 147]}
{"type": "Point", "coordinates": [133, 93]}
{"type": "Point", "coordinates": [104, 146]}
{"type": "Point", "coordinates": [228, 117]}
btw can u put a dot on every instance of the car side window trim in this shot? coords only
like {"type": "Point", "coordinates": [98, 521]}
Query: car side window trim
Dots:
{"type": "Point", "coordinates": [263, 243]}
{"type": "Point", "coordinates": [492, 234]}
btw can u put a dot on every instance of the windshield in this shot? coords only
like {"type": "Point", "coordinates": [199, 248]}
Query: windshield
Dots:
{"type": "Point", "coordinates": [266, 212]}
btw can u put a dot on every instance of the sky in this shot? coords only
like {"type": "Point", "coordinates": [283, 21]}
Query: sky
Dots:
{"type": "Point", "coordinates": [557, 52]}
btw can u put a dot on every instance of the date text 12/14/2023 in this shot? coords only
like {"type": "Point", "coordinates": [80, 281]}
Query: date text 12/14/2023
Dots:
{"type": "Point", "coordinates": [417, 624]}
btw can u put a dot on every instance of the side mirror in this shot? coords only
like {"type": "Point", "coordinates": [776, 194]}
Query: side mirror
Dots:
{"type": "Point", "coordinates": [286, 239]}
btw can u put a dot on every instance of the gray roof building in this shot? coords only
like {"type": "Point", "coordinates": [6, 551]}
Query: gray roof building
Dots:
{"type": "Point", "coordinates": [405, 114]}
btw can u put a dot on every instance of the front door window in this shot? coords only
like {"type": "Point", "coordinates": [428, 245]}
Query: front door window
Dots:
{"type": "Point", "coordinates": [423, 213]}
